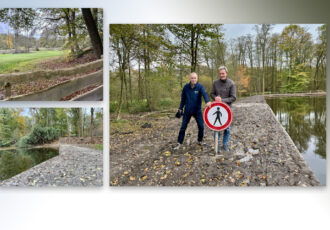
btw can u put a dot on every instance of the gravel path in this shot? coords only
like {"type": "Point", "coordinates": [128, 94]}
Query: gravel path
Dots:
{"type": "Point", "coordinates": [75, 166]}
{"type": "Point", "coordinates": [261, 152]}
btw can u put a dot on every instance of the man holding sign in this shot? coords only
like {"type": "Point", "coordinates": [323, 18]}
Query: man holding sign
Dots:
{"type": "Point", "coordinates": [191, 101]}
{"type": "Point", "coordinates": [224, 90]}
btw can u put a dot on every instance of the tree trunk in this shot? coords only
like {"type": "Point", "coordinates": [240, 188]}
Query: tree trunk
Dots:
{"type": "Point", "coordinates": [16, 41]}
{"type": "Point", "coordinates": [74, 34]}
{"type": "Point", "coordinates": [93, 32]}
{"type": "Point", "coordinates": [92, 124]}
{"type": "Point", "coordinates": [192, 46]}
{"type": "Point", "coordinates": [129, 79]}
{"type": "Point", "coordinates": [68, 26]}
{"type": "Point", "coordinates": [140, 80]}
{"type": "Point", "coordinates": [95, 12]}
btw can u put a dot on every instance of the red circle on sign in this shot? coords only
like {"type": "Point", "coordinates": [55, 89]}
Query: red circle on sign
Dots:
{"type": "Point", "coordinates": [230, 116]}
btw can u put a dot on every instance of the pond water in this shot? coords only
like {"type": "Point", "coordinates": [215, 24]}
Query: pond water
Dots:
{"type": "Point", "coordinates": [304, 118]}
{"type": "Point", "coordinates": [13, 162]}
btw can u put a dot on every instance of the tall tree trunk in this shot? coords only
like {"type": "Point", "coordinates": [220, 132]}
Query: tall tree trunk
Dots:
{"type": "Point", "coordinates": [16, 40]}
{"type": "Point", "coordinates": [82, 123]}
{"type": "Point", "coordinates": [192, 46]}
{"type": "Point", "coordinates": [73, 29]}
{"type": "Point", "coordinates": [93, 32]}
{"type": "Point", "coordinates": [126, 91]}
{"type": "Point", "coordinates": [95, 15]}
{"type": "Point", "coordinates": [129, 78]}
{"type": "Point", "coordinates": [68, 27]}
{"type": "Point", "coordinates": [140, 80]}
{"type": "Point", "coordinates": [92, 124]}
{"type": "Point", "coordinates": [121, 95]}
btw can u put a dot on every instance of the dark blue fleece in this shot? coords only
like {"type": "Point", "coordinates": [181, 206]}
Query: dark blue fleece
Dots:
{"type": "Point", "coordinates": [191, 98]}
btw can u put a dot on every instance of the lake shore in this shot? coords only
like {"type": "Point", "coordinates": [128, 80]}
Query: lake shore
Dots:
{"type": "Point", "coordinates": [54, 145]}
{"type": "Point", "coordinates": [261, 152]}
{"type": "Point", "coordinates": [295, 94]}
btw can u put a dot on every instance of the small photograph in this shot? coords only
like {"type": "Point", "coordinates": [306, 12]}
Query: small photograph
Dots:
{"type": "Point", "coordinates": [51, 54]}
{"type": "Point", "coordinates": [52, 147]}
{"type": "Point", "coordinates": [218, 105]}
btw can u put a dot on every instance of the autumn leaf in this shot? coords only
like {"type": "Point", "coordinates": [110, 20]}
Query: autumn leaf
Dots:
{"type": "Point", "coordinates": [131, 178]}
{"type": "Point", "coordinates": [164, 177]}
{"type": "Point", "coordinates": [143, 178]}
{"type": "Point", "coordinates": [167, 153]}
{"type": "Point", "coordinates": [114, 182]}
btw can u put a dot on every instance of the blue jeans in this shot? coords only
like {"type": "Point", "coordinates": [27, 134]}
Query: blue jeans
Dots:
{"type": "Point", "coordinates": [200, 123]}
{"type": "Point", "coordinates": [226, 135]}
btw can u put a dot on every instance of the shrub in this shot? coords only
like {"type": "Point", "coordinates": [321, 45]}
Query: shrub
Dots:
{"type": "Point", "coordinates": [39, 135]}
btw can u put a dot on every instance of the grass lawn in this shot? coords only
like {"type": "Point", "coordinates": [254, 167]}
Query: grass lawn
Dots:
{"type": "Point", "coordinates": [10, 63]}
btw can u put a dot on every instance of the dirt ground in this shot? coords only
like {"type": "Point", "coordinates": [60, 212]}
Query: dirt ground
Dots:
{"type": "Point", "coordinates": [261, 153]}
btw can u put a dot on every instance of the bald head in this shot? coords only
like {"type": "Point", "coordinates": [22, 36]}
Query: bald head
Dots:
{"type": "Point", "coordinates": [193, 78]}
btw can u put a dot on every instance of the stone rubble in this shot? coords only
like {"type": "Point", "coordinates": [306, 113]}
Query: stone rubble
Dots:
{"type": "Point", "coordinates": [261, 153]}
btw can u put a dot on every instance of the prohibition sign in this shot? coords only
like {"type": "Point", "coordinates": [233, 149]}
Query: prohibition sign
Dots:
{"type": "Point", "coordinates": [218, 117]}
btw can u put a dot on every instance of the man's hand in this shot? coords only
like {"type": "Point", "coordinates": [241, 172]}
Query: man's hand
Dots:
{"type": "Point", "coordinates": [208, 104]}
{"type": "Point", "coordinates": [218, 98]}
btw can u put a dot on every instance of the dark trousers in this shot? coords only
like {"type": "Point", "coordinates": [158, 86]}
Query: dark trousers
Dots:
{"type": "Point", "coordinates": [200, 123]}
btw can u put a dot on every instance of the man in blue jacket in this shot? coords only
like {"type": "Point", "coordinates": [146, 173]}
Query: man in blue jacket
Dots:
{"type": "Point", "coordinates": [191, 101]}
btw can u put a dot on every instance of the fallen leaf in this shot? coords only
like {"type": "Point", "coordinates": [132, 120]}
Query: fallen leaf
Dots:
{"type": "Point", "coordinates": [114, 182]}
{"type": "Point", "coordinates": [143, 178]}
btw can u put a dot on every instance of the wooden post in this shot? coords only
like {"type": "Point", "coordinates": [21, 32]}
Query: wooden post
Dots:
{"type": "Point", "coordinates": [7, 89]}
{"type": "Point", "coordinates": [216, 141]}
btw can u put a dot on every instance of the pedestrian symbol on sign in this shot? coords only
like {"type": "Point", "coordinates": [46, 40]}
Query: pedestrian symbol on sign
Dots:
{"type": "Point", "coordinates": [219, 114]}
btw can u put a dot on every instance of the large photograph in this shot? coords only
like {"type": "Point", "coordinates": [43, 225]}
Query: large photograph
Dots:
{"type": "Point", "coordinates": [217, 105]}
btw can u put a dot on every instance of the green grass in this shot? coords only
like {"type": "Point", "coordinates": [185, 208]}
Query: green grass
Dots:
{"type": "Point", "coordinates": [98, 146]}
{"type": "Point", "coordinates": [10, 63]}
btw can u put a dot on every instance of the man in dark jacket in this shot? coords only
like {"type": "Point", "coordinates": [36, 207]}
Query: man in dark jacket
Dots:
{"type": "Point", "coordinates": [191, 101]}
{"type": "Point", "coordinates": [224, 90]}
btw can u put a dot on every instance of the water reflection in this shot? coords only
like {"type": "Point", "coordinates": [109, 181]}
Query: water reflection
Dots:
{"type": "Point", "coordinates": [304, 118]}
{"type": "Point", "coordinates": [13, 162]}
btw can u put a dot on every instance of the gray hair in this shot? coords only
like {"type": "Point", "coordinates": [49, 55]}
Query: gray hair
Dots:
{"type": "Point", "coordinates": [223, 67]}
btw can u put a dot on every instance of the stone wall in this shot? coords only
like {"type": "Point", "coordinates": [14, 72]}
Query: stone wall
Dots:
{"type": "Point", "coordinates": [16, 78]}
{"type": "Point", "coordinates": [56, 92]}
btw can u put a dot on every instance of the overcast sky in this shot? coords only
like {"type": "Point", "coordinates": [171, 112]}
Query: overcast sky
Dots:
{"type": "Point", "coordinates": [3, 28]}
{"type": "Point", "coordinates": [236, 30]}
{"type": "Point", "coordinates": [233, 30]}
